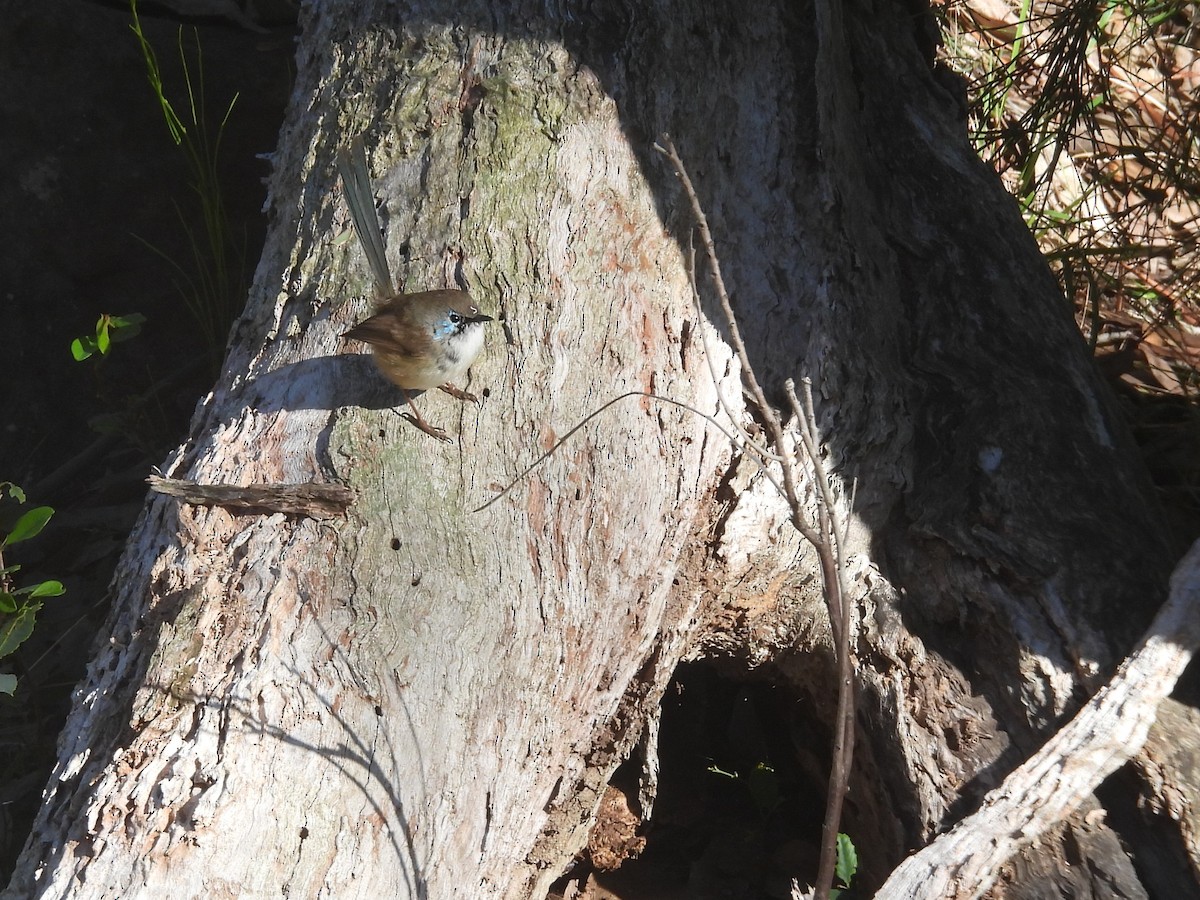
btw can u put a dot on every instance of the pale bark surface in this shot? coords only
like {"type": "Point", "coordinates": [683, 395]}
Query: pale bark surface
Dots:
{"type": "Point", "coordinates": [417, 701]}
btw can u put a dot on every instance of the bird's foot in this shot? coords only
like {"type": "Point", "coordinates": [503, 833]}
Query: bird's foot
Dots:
{"type": "Point", "coordinates": [458, 393]}
{"type": "Point", "coordinates": [431, 430]}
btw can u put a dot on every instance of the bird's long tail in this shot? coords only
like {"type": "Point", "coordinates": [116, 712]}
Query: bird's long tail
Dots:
{"type": "Point", "coordinates": [360, 199]}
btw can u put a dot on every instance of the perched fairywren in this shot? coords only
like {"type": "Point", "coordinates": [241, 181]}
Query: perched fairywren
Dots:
{"type": "Point", "coordinates": [420, 341]}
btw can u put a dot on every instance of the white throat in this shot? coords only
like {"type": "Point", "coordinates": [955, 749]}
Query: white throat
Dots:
{"type": "Point", "coordinates": [461, 350]}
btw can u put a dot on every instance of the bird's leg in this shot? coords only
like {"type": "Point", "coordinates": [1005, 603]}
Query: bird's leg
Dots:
{"type": "Point", "coordinates": [420, 422]}
{"type": "Point", "coordinates": [458, 393]}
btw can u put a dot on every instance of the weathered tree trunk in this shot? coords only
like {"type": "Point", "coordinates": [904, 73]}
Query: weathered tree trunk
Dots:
{"type": "Point", "coordinates": [418, 701]}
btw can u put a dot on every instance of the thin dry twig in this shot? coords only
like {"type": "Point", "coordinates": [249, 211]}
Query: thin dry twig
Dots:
{"type": "Point", "coordinates": [774, 426]}
{"type": "Point", "coordinates": [825, 538]}
{"type": "Point", "coordinates": [615, 400]}
{"type": "Point", "coordinates": [748, 443]}
{"type": "Point", "coordinates": [839, 608]}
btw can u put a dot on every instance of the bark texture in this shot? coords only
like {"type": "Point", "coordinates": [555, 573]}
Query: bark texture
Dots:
{"type": "Point", "coordinates": [1057, 780]}
{"type": "Point", "coordinates": [420, 702]}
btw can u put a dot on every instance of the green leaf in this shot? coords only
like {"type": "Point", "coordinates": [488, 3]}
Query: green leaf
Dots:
{"type": "Point", "coordinates": [42, 589]}
{"type": "Point", "coordinates": [82, 348]}
{"type": "Point", "coordinates": [8, 570]}
{"type": "Point", "coordinates": [847, 859]}
{"type": "Point", "coordinates": [8, 684]}
{"type": "Point", "coordinates": [126, 327]}
{"type": "Point", "coordinates": [17, 628]}
{"type": "Point", "coordinates": [8, 603]}
{"type": "Point", "coordinates": [102, 342]}
{"type": "Point", "coordinates": [28, 525]}
{"type": "Point", "coordinates": [13, 491]}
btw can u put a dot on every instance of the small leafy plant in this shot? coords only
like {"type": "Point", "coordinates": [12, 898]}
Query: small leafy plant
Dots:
{"type": "Point", "coordinates": [109, 330]}
{"type": "Point", "coordinates": [847, 865]}
{"type": "Point", "coordinates": [19, 605]}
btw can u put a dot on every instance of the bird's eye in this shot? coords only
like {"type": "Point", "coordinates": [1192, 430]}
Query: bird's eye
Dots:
{"type": "Point", "coordinates": [455, 318]}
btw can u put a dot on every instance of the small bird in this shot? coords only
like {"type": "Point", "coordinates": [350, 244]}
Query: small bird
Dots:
{"type": "Point", "coordinates": [419, 341]}
{"type": "Point", "coordinates": [422, 341]}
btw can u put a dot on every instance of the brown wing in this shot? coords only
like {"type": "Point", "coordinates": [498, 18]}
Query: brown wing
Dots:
{"type": "Point", "coordinates": [392, 330]}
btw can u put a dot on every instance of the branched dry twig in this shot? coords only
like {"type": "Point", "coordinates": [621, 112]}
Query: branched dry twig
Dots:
{"type": "Point", "coordinates": [748, 442]}
{"type": "Point", "coordinates": [825, 537]}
